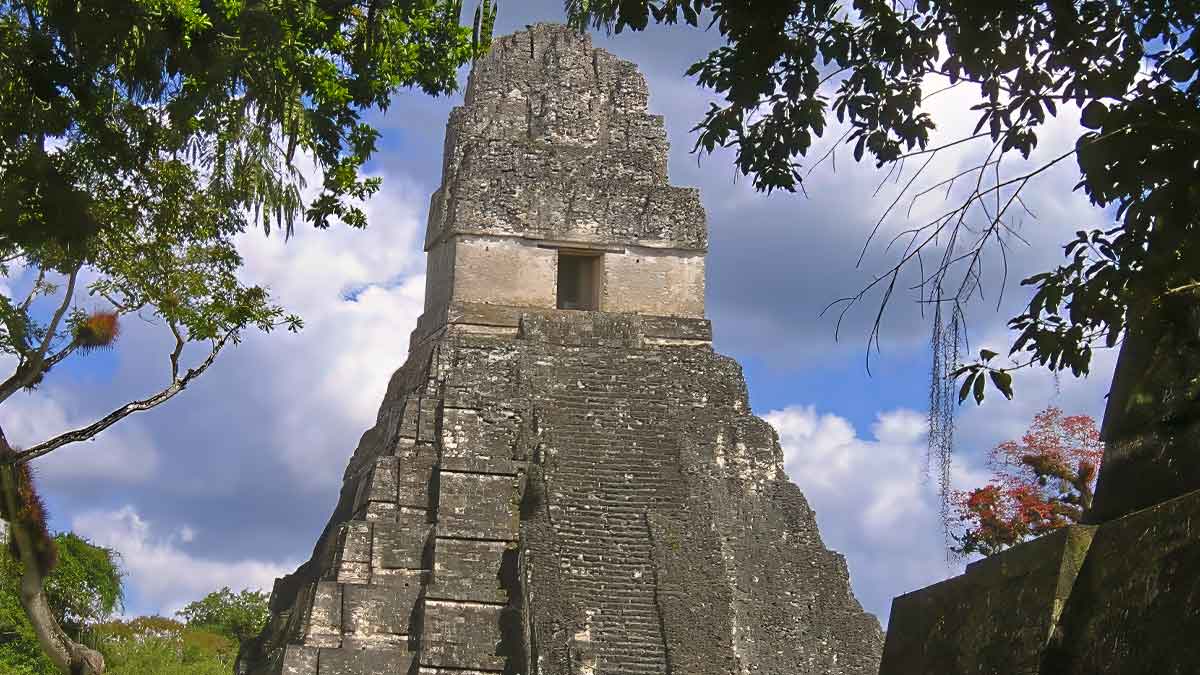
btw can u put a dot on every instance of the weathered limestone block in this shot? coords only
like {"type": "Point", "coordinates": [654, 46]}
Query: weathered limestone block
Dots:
{"type": "Point", "coordinates": [478, 440]}
{"type": "Point", "coordinates": [402, 544]}
{"type": "Point", "coordinates": [299, 660]}
{"type": "Point", "coordinates": [416, 466]}
{"type": "Point", "coordinates": [369, 611]}
{"type": "Point", "coordinates": [1146, 468]}
{"type": "Point", "coordinates": [379, 485]}
{"type": "Point", "coordinates": [461, 635]}
{"type": "Point", "coordinates": [468, 570]}
{"type": "Point", "coordinates": [477, 506]}
{"type": "Point", "coordinates": [1121, 598]}
{"type": "Point", "coordinates": [1135, 607]}
{"type": "Point", "coordinates": [381, 660]}
{"type": "Point", "coordinates": [997, 618]}
{"type": "Point", "coordinates": [325, 617]}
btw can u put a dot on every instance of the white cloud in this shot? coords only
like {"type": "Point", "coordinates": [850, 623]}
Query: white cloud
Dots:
{"type": "Point", "coordinates": [872, 499]}
{"type": "Point", "coordinates": [360, 293]}
{"type": "Point", "coordinates": [164, 575]}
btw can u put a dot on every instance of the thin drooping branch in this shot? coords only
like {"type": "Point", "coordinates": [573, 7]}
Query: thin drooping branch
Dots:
{"type": "Point", "coordinates": [33, 291]}
{"type": "Point", "coordinates": [52, 329]}
{"type": "Point", "coordinates": [177, 351]}
{"type": "Point", "coordinates": [67, 655]}
{"type": "Point", "coordinates": [34, 363]}
{"type": "Point", "coordinates": [84, 433]}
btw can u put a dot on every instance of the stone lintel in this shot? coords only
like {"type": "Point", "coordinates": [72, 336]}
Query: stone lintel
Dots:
{"type": "Point", "coordinates": [505, 320]}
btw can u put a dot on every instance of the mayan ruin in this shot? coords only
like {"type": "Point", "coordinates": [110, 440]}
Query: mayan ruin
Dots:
{"type": "Point", "coordinates": [565, 478]}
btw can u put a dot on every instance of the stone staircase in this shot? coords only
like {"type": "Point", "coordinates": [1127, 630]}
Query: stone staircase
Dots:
{"type": "Point", "coordinates": [612, 465]}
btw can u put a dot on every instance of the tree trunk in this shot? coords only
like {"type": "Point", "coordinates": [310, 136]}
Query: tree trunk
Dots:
{"type": "Point", "coordinates": [70, 657]}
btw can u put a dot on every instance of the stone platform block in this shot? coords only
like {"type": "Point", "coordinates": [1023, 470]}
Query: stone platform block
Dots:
{"type": "Point", "coordinates": [379, 485]}
{"type": "Point", "coordinates": [373, 660]}
{"type": "Point", "coordinates": [472, 442]}
{"type": "Point", "coordinates": [416, 469]}
{"type": "Point", "coordinates": [299, 660]}
{"type": "Point", "coordinates": [461, 635]}
{"type": "Point", "coordinates": [996, 619]}
{"type": "Point", "coordinates": [477, 506]}
{"type": "Point", "coordinates": [1121, 598]}
{"type": "Point", "coordinates": [324, 627]}
{"type": "Point", "coordinates": [380, 610]}
{"type": "Point", "coordinates": [1135, 609]}
{"type": "Point", "coordinates": [402, 544]}
{"type": "Point", "coordinates": [470, 570]}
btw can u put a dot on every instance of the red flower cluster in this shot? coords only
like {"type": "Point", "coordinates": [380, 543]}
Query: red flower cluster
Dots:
{"type": "Point", "coordinates": [1040, 484]}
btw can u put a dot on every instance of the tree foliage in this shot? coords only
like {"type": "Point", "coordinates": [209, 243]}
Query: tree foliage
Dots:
{"type": "Point", "coordinates": [84, 589]}
{"type": "Point", "coordinates": [155, 645]}
{"type": "Point", "coordinates": [139, 138]}
{"type": "Point", "coordinates": [238, 616]}
{"type": "Point", "coordinates": [111, 90]}
{"type": "Point", "coordinates": [1041, 483]}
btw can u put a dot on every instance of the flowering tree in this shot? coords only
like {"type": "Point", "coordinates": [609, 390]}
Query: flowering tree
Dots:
{"type": "Point", "coordinates": [1040, 483]}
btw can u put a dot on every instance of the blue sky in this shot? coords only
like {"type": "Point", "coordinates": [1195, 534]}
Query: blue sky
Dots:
{"type": "Point", "coordinates": [230, 483]}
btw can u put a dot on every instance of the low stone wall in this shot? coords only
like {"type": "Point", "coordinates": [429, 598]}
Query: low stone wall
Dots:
{"type": "Point", "coordinates": [1122, 598]}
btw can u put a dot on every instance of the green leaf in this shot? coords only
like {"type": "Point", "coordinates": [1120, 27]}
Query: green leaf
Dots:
{"type": "Point", "coordinates": [966, 387]}
{"type": "Point", "coordinates": [1179, 69]}
{"type": "Point", "coordinates": [978, 389]}
{"type": "Point", "coordinates": [1003, 381]}
{"type": "Point", "coordinates": [1093, 115]}
{"type": "Point", "coordinates": [986, 354]}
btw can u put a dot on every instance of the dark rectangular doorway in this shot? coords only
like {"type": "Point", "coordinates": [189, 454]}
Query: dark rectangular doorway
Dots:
{"type": "Point", "coordinates": [578, 281]}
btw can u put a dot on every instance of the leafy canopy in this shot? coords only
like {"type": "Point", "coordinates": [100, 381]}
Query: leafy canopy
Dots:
{"type": "Point", "coordinates": [238, 616]}
{"type": "Point", "coordinates": [111, 94]}
{"type": "Point", "coordinates": [83, 590]}
{"type": "Point", "coordinates": [1041, 483]}
{"type": "Point", "coordinates": [138, 139]}
{"type": "Point", "coordinates": [154, 645]}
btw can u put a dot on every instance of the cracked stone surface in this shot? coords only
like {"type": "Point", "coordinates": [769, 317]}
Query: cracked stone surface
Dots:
{"type": "Point", "coordinates": [560, 492]}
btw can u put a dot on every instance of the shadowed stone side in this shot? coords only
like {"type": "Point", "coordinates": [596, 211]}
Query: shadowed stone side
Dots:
{"type": "Point", "coordinates": [564, 492]}
{"type": "Point", "coordinates": [1121, 598]}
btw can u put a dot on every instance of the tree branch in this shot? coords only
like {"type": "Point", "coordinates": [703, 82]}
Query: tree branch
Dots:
{"type": "Point", "coordinates": [33, 291]}
{"type": "Point", "coordinates": [35, 364]}
{"type": "Point", "coordinates": [89, 431]}
{"type": "Point", "coordinates": [67, 655]}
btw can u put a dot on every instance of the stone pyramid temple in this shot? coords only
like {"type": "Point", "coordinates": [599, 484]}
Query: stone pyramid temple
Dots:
{"type": "Point", "coordinates": [565, 478]}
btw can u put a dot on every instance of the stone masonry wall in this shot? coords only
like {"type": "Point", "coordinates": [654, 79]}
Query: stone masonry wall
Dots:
{"type": "Point", "coordinates": [554, 142]}
{"type": "Point", "coordinates": [568, 501]}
